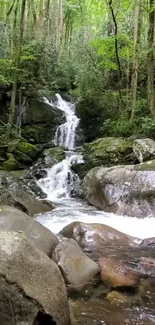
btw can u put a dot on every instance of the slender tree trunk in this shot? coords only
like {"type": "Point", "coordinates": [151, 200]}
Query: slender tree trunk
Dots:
{"type": "Point", "coordinates": [135, 66]}
{"type": "Point", "coordinates": [151, 91]}
{"type": "Point", "coordinates": [116, 39]}
{"type": "Point", "coordinates": [116, 47]}
{"type": "Point", "coordinates": [14, 87]}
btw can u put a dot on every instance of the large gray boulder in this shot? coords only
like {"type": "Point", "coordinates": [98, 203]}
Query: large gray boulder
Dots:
{"type": "Point", "coordinates": [76, 267]}
{"type": "Point", "coordinates": [32, 287]}
{"type": "Point", "coordinates": [16, 220]}
{"type": "Point", "coordinates": [126, 190]}
{"type": "Point", "coordinates": [144, 149]}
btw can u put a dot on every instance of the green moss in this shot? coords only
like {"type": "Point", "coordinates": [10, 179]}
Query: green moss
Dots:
{"type": "Point", "coordinates": [56, 152]}
{"type": "Point", "coordinates": [147, 166]}
{"type": "Point", "coordinates": [11, 163]}
{"type": "Point", "coordinates": [29, 149]}
{"type": "Point", "coordinates": [23, 158]}
{"type": "Point", "coordinates": [108, 151]}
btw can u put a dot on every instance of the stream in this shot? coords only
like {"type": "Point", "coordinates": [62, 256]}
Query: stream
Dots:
{"type": "Point", "coordinates": [58, 186]}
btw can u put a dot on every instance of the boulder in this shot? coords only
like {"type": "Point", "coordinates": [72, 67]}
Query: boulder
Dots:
{"type": "Point", "coordinates": [11, 163]}
{"type": "Point", "coordinates": [148, 242]}
{"type": "Point", "coordinates": [19, 190]}
{"type": "Point", "coordinates": [126, 190]}
{"type": "Point", "coordinates": [117, 274]}
{"type": "Point", "coordinates": [57, 153]}
{"type": "Point", "coordinates": [32, 288]}
{"type": "Point", "coordinates": [16, 220]}
{"type": "Point", "coordinates": [77, 269]}
{"type": "Point", "coordinates": [93, 237]}
{"type": "Point", "coordinates": [27, 149]}
{"type": "Point", "coordinates": [144, 149]}
{"type": "Point", "coordinates": [109, 151]}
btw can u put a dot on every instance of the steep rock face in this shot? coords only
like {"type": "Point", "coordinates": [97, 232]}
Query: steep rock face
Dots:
{"type": "Point", "coordinates": [126, 190]}
{"type": "Point", "coordinates": [16, 220]}
{"type": "Point", "coordinates": [31, 283]}
{"type": "Point", "coordinates": [40, 121]}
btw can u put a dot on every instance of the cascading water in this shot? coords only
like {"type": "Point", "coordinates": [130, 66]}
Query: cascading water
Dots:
{"type": "Point", "coordinates": [65, 134]}
{"type": "Point", "coordinates": [60, 179]}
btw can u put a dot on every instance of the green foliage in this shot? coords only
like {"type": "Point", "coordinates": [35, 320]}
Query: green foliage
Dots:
{"type": "Point", "coordinates": [118, 128]}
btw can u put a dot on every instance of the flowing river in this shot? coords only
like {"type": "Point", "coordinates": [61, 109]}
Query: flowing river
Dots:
{"type": "Point", "coordinates": [58, 186]}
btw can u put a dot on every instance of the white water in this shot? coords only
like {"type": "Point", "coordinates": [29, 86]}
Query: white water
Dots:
{"type": "Point", "coordinates": [60, 181]}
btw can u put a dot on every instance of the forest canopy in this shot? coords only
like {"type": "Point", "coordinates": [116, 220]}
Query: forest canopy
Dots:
{"type": "Point", "coordinates": [102, 52]}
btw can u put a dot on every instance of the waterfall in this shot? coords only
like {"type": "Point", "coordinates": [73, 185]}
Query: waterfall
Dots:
{"type": "Point", "coordinates": [65, 134]}
{"type": "Point", "coordinates": [60, 178]}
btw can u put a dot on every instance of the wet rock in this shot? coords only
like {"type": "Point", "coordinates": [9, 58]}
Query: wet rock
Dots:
{"type": "Point", "coordinates": [57, 153]}
{"type": "Point", "coordinates": [51, 157]}
{"type": "Point", "coordinates": [16, 220]}
{"type": "Point", "coordinates": [148, 242]}
{"type": "Point", "coordinates": [126, 190]}
{"type": "Point", "coordinates": [117, 274]}
{"type": "Point", "coordinates": [32, 288]}
{"type": "Point", "coordinates": [76, 267]}
{"type": "Point", "coordinates": [19, 189]}
{"type": "Point", "coordinates": [93, 237]}
{"type": "Point", "coordinates": [118, 297]}
{"type": "Point", "coordinates": [144, 149]}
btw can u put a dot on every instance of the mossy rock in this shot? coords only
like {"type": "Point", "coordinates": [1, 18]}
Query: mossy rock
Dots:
{"type": "Point", "coordinates": [11, 163]}
{"type": "Point", "coordinates": [109, 151]}
{"type": "Point", "coordinates": [38, 133]}
{"type": "Point", "coordinates": [147, 166]}
{"type": "Point", "coordinates": [57, 153]}
{"type": "Point", "coordinates": [28, 149]}
{"type": "Point", "coordinates": [12, 145]}
{"type": "Point", "coordinates": [23, 158]}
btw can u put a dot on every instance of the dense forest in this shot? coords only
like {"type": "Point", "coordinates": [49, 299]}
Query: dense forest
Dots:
{"type": "Point", "coordinates": [100, 52]}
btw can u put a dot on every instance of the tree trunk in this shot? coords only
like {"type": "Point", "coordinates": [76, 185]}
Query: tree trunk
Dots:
{"type": "Point", "coordinates": [135, 66]}
{"type": "Point", "coordinates": [151, 93]}
{"type": "Point", "coordinates": [14, 87]}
